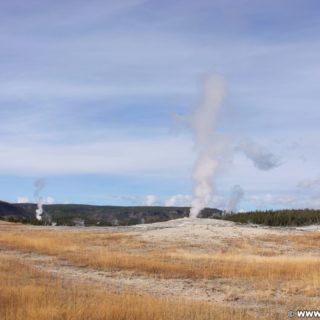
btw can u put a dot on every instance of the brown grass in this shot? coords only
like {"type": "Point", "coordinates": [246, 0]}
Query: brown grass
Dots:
{"type": "Point", "coordinates": [300, 242]}
{"type": "Point", "coordinates": [28, 294]}
{"type": "Point", "coordinates": [272, 270]}
{"type": "Point", "coordinates": [128, 252]}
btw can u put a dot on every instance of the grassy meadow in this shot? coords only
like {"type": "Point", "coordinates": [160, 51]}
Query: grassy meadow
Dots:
{"type": "Point", "coordinates": [254, 278]}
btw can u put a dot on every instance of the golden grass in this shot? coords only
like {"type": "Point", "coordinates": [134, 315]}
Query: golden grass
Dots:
{"type": "Point", "coordinates": [306, 240]}
{"type": "Point", "coordinates": [128, 252]}
{"type": "Point", "coordinates": [28, 294]}
{"type": "Point", "coordinates": [270, 270]}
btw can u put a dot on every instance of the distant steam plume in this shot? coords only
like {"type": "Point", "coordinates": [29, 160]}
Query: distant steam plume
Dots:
{"type": "Point", "coordinates": [209, 145]}
{"type": "Point", "coordinates": [39, 185]}
{"type": "Point", "coordinates": [237, 194]}
{"type": "Point", "coordinates": [261, 158]}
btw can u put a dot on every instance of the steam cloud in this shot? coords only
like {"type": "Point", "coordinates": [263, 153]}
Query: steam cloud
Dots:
{"type": "Point", "coordinates": [39, 185]}
{"type": "Point", "coordinates": [209, 145]}
{"type": "Point", "coordinates": [261, 158]}
{"type": "Point", "coordinates": [237, 194]}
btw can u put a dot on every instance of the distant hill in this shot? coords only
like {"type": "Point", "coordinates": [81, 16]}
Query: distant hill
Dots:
{"type": "Point", "coordinates": [78, 214]}
{"type": "Point", "coordinates": [89, 215]}
{"type": "Point", "coordinates": [12, 212]}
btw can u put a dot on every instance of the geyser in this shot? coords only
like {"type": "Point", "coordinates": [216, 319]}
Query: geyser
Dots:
{"type": "Point", "coordinates": [237, 194]}
{"type": "Point", "coordinates": [209, 144]}
{"type": "Point", "coordinates": [39, 185]}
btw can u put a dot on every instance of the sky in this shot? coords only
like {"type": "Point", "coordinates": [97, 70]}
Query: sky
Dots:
{"type": "Point", "coordinates": [93, 95]}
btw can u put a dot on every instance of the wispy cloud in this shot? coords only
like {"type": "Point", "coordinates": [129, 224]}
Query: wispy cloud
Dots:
{"type": "Point", "coordinates": [89, 88]}
{"type": "Point", "coordinates": [180, 200]}
{"type": "Point", "coordinates": [309, 183]}
{"type": "Point", "coordinates": [155, 157]}
{"type": "Point", "coordinates": [271, 200]}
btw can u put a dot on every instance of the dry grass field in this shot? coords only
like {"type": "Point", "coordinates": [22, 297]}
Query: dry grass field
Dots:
{"type": "Point", "coordinates": [182, 269]}
{"type": "Point", "coordinates": [27, 293]}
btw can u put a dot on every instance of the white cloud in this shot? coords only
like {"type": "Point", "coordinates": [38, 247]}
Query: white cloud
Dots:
{"type": "Point", "coordinates": [48, 200]}
{"type": "Point", "coordinates": [79, 91]}
{"type": "Point", "coordinates": [270, 199]}
{"type": "Point", "coordinates": [150, 200]}
{"type": "Point", "coordinates": [158, 156]}
{"type": "Point", "coordinates": [309, 183]}
{"type": "Point", "coordinates": [22, 200]}
{"type": "Point", "coordinates": [178, 200]}
{"type": "Point", "coordinates": [120, 64]}
{"type": "Point", "coordinates": [293, 201]}
{"type": "Point", "coordinates": [312, 202]}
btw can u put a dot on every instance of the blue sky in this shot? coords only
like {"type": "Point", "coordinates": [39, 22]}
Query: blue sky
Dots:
{"type": "Point", "coordinates": [89, 92]}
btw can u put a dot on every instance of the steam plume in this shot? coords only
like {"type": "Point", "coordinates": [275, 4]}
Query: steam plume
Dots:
{"type": "Point", "coordinates": [261, 158]}
{"type": "Point", "coordinates": [39, 185]}
{"type": "Point", "coordinates": [237, 194]}
{"type": "Point", "coordinates": [208, 143]}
